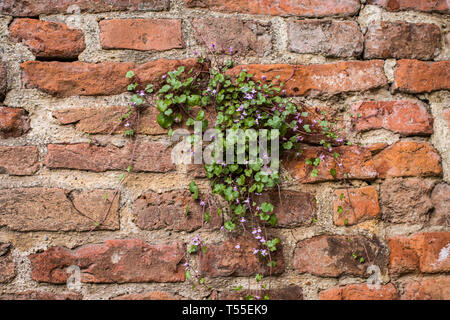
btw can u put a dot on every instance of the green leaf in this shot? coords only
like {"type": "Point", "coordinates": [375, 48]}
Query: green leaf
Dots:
{"type": "Point", "coordinates": [207, 216]}
{"type": "Point", "coordinates": [193, 188]}
{"type": "Point", "coordinates": [188, 275]}
{"type": "Point", "coordinates": [165, 88]}
{"type": "Point", "coordinates": [164, 121]}
{"type": "Point", "coordinates": [339, 209]}
{"type": "Point", "coordinates": [130, 74]}
{"type": "Point", "coordinates": [229, 225]}
{"type": "Point", "coordinates": [266, 207]}
{"type": "Point", "coordinates": [258, 277]}
{"type": "Point", "coordinates": [192, 248]}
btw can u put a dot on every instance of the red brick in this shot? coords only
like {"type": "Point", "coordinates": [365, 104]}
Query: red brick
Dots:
{"type": "Point", "coordinates": [295, 209]}
{"type": "Point", "coordinates": [90, 79]}
{"type": "Point", "coordinates": [441, 201]}
{"type": "Point", "coordinates": [149, 157]}
{"type": "Point", "coordinates": [318, 8]}
{"type": "Point", "coordinates": [152, 295]}
{"type": "Point", "coordinates": [223, 259]}
{"type": "Point", "coordinates": [321, 79]}
{"type": "Point", "coordinates": [408, 158]}
{"type": "Point", "coordinates": [155, 211]}
{"type": "Point", "coordinates": [7, 268]}
{"type": "Point", "coordinates": [3, 80]}
{"type": "Point", "coordinates": [105, 120]}
{"type": "Point", "coordinates": [52, 209]}
{"type": "Point", "coordinates": [332, 256]}
{"type": "Point", "coordinates": [49, 40]}
{"type": "Point", "coordinates": [14, 122]}
{"type": "Point", "coordinates": [406, 200]}
{"type": "Point", "coordinates": [414, 76]}
{"type": "Point", "coordinates": [356, 162]}
{"type": "Point", "coordinates": [41, 295]}
{"type": "Point", "coordinates": [402, 40]}
{"type": "Point", "coordinates": [360, 292]}
{"type": "Point", "coordinates": [417, 5]}
{"type": "Point", "coordinates": [115, 261]}
{"type": "Point", "coordinates": [285, 293]}
{"type": "Point", "coordinates": [20, 161]}
{"type": "Point", "coordinates": [46, 7]}
{"type": "Point", "coordinates": [234, 36]}
{"type": "Point", "coordinates": [141, 34]}
{"type": "Point", "coordinates": [401, 116]}
{"type": "Point", "coordinates": [424, 252]}
{"type": "Point", "coordinates": [427, 289]}
{"type": "Point", "coordinates": [358, 204]}
{"type": "Point", "coordinates": [328, 37]}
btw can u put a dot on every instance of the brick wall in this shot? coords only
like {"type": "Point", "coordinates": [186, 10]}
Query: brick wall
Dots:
{"type": "Point", "coordinates": [62, 78]}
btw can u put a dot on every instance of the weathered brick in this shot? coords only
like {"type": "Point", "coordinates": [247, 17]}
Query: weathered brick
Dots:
{"type": "Point", "coordinates": [41, 295]}
{"type": "Point", "coordinates": [149, 157]}
{"type": "Point", "coordinates": [90, 79]}
{"type": "Point", "coordinates": [401, 116]}
{"type": "Point", "coordinates": [223, 259]}
{"type": "Point", "coordinates": [328, 37]}
{"type": "Point", "coordinates": [234, 36]}
{"type": "Point", "coordinates": [20, 161]}
{"type": "Point", "coordinates": [406, 200]}
{"type": "Point", "coordinates": [285, 293]}
{"type": "Point", "coordinates": [321, 79]}
{"type": "Point", "coordinates": [7, 268]}
{"type": "Point", "coordinates": [295, 209]}
{"type": "Point", "coordinates": [356, 163]}
{"type": "Point", "coordinates": [52, 209]}
{"type": "Point", "coordinates": [46, 7]}
{"type": "Point", "coordinates": [414, 76]}
{"type": "Point", "coordinates": [402, 40]}
{"type": "Point", "coordinates": [446, 115]}
{"type": "Point", "coordinates": [152, 295]}
{"type": "Point", "coordinates": [417, 5]}
{"type": "Point", "coordinates": [426, 252]}
{"type": "Point", "coordinates": [155, 211]}
{"type": "Point", "coordinates": [408, 158]}
{"type": "Point", "coordinates": [358, 204]}
{"type": "Point", "coordinates": [46, 39]}
{"type": "Point", "coordinates": [332, 256]}
{"type": "Point", "coordinates": [360, 292]}
{"type": "Point", "coordinates": [105, 120]}
{"type": "Point", "coordinates": [141, 34]}
{"type": "Point", "coordinates": [115, 261]}
{"type": "Point", "coordinates": [427, 289]}
{"type": "Point", "coordinates": [3, 80]}
{"type": "Point", "coordinates": [14, 122]}
{"type": "Point", "coordinates": [441, 202]}
{"type": "Point", "coordinates": [318, 8]}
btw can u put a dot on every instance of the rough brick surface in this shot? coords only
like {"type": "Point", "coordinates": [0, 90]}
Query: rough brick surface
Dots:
{"type": "Point", "coordinates": [418, 5]}
{"type": "Point", "coordinates": [406, 200]}
{"type": "Point", "coordinates": [437, 288]}
{"type": "Point", "coordinates": [49, 40]}
{"type": "Point", "coordinates": [105, 120]}
{"type": "Point", "coordinates": [441, 201]}
{"type": "Point", "coordinates": [115, 261]}
{"type": "Point", "coordinates": [149, 156]}
{"type": "Point", "coordinates": [3, 80]}
{"type": "Point", "coordinates": [234, 36]}
{"type": "Point", "coordinates": [7, 268]}
{"type": "Point", "coordinates": [45, 7]}
{"type": "Point", "coordinates": [408, 158]}
{"type": "Point", "coordinates": [318, 8]}
{"type": "Point", "coordinates": [14, 122]}
{"type": "Point", "coordinates": [328, 37]}
{"type": "Point", "coordinates": [416, 76]}
{"type": "Point", "coordinates": [141, 34]}
{"type": "Point", "coordinates": [402, 40]}
{"type": "Point", "coordinates": [152, 295]}
{"type": "Point", "coordinates": [332, 256]}
{"type": "Point", "coordinates": [358, 204]}
{"type": "Point", "coordinates": [81, 78]}
{"type": "Point", "coordinates": [322, 79]}
{"type": "Point", "coordinates": [424, 252]}
{"type": "Point", "coordinates": [360, 292]}
{"type": "Point", "coordinates": [223, 259]}
{"type": "Point", "coordinates": [155, 211]}
{"type": "Point", "coordinates": [51, 209]}
{"type": "Point", "coordinates": [20, 161]}
{"type": "Point", "coordinates": [406, 117]}
{"type": "Point", "coordinates": [41, 295]}
{"type": "Point", "coordinates": [288, 293]}
{"type": "Point", "coordinates": [356, 162]}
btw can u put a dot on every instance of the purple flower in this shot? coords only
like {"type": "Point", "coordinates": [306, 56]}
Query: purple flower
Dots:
{"type": "Point", "coordinates": [186, 264]}
{"type": "Point", "coordinates": [263, 77]}
{"type": "Point", "coordinates": [264, 252]}
{"type": "Point", "coordinates": [231, 50]}
{"type": "Point", "coordinates": [255, 251]}
{"type": "Point", "coordinates": [262, 240]}
{"type": "Point", "coordinates": [195, 52]}
{"type": "Point", "coordinates": [213, 45]}
{"type": "Point", "coordinates": [322, 157]}
{"type": "Point", "coordinates": [242, 220]}
{"type": "Point", "coordinates": [238, 246]}
{"type": "Point", "coordinates": [127, 124]}
{"type": "Point", "coordinates": [202, 203]}
{"type": "Point", "coordinates": [257, 237]}
{"type": "Point", "coordinates": [257, 297]}
{"type": "Point", "coordinates": [164, 76]}
{"type": "Point", "coordinates": [247, 201]}
{"type": "Point", "coordinates": [254, 231]}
